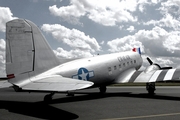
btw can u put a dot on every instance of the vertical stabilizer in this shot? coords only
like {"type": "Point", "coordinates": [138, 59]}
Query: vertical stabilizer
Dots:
{"type": "Point", "coordinates": [27, 51]}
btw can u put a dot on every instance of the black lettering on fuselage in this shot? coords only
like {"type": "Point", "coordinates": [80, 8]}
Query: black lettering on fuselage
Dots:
{"type": "Point", "coordinates": [124, 58]}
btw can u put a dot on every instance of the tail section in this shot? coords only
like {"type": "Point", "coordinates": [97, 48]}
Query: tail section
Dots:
{"type": "Point", "coordinates": [27, 51]}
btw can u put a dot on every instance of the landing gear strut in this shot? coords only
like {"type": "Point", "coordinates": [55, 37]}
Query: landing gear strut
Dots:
{"type": "Point", "coordinates": [48, 98]}
{"type": "Point", "coordinates": [150, 87]}
{"type": "Point", "coordinates": [70, 94]}
{"type": "Point", "coordinates": [102, 89]}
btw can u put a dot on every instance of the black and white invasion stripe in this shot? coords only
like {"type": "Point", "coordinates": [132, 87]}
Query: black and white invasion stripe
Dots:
{"type": "Point", "coordinates": [159, 75]}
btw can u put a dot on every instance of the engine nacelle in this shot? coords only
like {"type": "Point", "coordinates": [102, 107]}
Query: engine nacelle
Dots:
{"type": "Point", "coordinates": [152, 67]}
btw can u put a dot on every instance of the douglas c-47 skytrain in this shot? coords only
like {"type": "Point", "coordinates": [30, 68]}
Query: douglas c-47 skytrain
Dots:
{"type": "Point", "coordinates": [32, 66]}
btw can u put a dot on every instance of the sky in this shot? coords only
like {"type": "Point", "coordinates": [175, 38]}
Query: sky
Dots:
{"type": "Point", "coordinates": [85, 28]}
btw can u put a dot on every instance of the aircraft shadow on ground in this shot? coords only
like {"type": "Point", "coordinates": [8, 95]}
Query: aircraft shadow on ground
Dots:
{"type": "Point", "coordinates": [155, 96]}
{"type": "Point", "coordinates": [38, 110]}
{"type": "Point", "coordinates": [46, 111]}
{"type": "Point", "coordinates": [91, 96]}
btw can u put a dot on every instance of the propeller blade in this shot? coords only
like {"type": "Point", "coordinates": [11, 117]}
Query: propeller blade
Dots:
{"type": "Point", "coordinates": [150, 61]}
{"type": "Point", "coordinates": [164, 68]}
{"type": "Point", "coordinates": [161, 68]}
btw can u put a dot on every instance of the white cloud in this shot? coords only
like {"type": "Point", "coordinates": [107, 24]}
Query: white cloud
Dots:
{"type": "Point", "coordinates": [69, 13]}
{"type": "Point", "coordinates": [76, 53]}
{"type": "Point", "coordinates": [124, 44]}
{"type": "Point", "coordinates": [72, 37]}
{"type": "Point", "coordinates": [102, 42]}
{"type": "Point", "coordinates": [164, 61]}
{"type": "Point", "coordinates": [131, 29]}
{"type": "Point", "coordinates": [5, 16]}
{"type": "Point", "coordinates": [166, 21]}
{"type": "Point", "coordinates": [121, 27]}
{"type": "Point", "coordinates": [159, 42]}
{"type": "Point", "coordinates": [170, 6]}
{"type": "Point", "coordinates": [104, 12]}
{"type": "Point", "coordinates": [156, 42]}
{"type": "Point", "coordinates": [141, 8]}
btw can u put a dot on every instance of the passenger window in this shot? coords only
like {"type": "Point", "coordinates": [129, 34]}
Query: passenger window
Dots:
{"type": "Point", "coordinates": [124, 64]}
{"type": "Point", "coordinates": [134, 61]}
{"type": "Point", "coordinates": [127, 63]}
{"type": "Point", "coordinates": [115, 68]}
{"type": "Point", "coordinates": [109, 69]}
{"type": "Point", "coordinates": [119, 66]}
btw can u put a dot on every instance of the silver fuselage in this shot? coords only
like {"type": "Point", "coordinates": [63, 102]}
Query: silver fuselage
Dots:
{"type": "Point", "coordinates": [101, 70]}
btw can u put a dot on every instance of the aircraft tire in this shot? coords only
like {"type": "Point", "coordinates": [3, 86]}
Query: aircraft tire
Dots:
{"type": "Point", "coordinates": [47, 98]}
{"type": "Point", "coordinates": [150, 88]}
{"type": "Point", "coordinates": [71, 94]}
{"type": "Point", "coordinates": [151, 92]}
{"type": "Point", "coordinates": [102, 89]}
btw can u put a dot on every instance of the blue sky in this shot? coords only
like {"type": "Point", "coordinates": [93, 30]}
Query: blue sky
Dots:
{"type": "Point", "coordinates": [83, 28]}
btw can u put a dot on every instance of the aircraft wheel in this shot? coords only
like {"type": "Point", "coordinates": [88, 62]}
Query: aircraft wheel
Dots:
{"type": "Point", "coordinates": [150, 88]}
{"type": "Point", "coordinates": [151, 92]}
{"type": "Point", "coordinates": [47, 98]}
{"type": "Point", "coordinates": [102, 89]}
{"type": "Point", "coordinates": [70, 94]}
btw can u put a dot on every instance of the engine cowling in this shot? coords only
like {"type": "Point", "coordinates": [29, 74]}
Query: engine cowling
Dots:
{"type": "Point", "coordinates": [150, 86]}
{"type": "Point", "coordinates": [154, 66]}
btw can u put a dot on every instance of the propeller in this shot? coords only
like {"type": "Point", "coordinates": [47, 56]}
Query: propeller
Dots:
{"type": "Point", "coordinates": [161, 68]}
{"type": "Point", "coordinates": [150, 61]}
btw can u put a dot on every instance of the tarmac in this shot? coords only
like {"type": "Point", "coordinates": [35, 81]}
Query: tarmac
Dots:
{"type": "Point", "coordinates": [119, 103]}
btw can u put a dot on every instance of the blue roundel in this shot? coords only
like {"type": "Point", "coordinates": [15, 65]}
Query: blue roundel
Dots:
{"type": "Point", "coordinates": [83, 74]}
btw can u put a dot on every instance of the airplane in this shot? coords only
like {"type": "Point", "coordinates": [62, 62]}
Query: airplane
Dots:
{"type": "Point", "coordinates": [32, 66]}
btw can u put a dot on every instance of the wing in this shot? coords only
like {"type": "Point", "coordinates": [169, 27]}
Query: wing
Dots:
{"type": "Point", "coordinates": [153, 76]}
{"type": "Point", "coordinates": [56, 83]}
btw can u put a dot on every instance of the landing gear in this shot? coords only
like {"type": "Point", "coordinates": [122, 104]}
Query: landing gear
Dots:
{"type": "Point", "coordinates": [70, 94]}
{"type": "Point", "coordinates": [150, 87]}
{"type": "Point", "coordinates": [17, 89]}
{"type": "Point", "coordinates": [48, 98]}
{"type": "Point", "coordinates": [102, 89]}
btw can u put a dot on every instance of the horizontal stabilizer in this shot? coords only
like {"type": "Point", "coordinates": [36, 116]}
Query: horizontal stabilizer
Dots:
{"type": "Point", "coordinates": [57, 83]}
{"type": "Point", "coordinates": [4, 78]}
{"type": "Point", "coordinates": [5, 84]}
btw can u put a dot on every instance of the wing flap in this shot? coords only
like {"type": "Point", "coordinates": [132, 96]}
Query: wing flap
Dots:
{"type": "Point", "coordinates": [57, 84]}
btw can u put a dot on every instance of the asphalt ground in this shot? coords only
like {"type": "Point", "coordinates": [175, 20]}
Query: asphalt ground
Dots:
{"type": "Point", "coordinates": [119, 103]}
